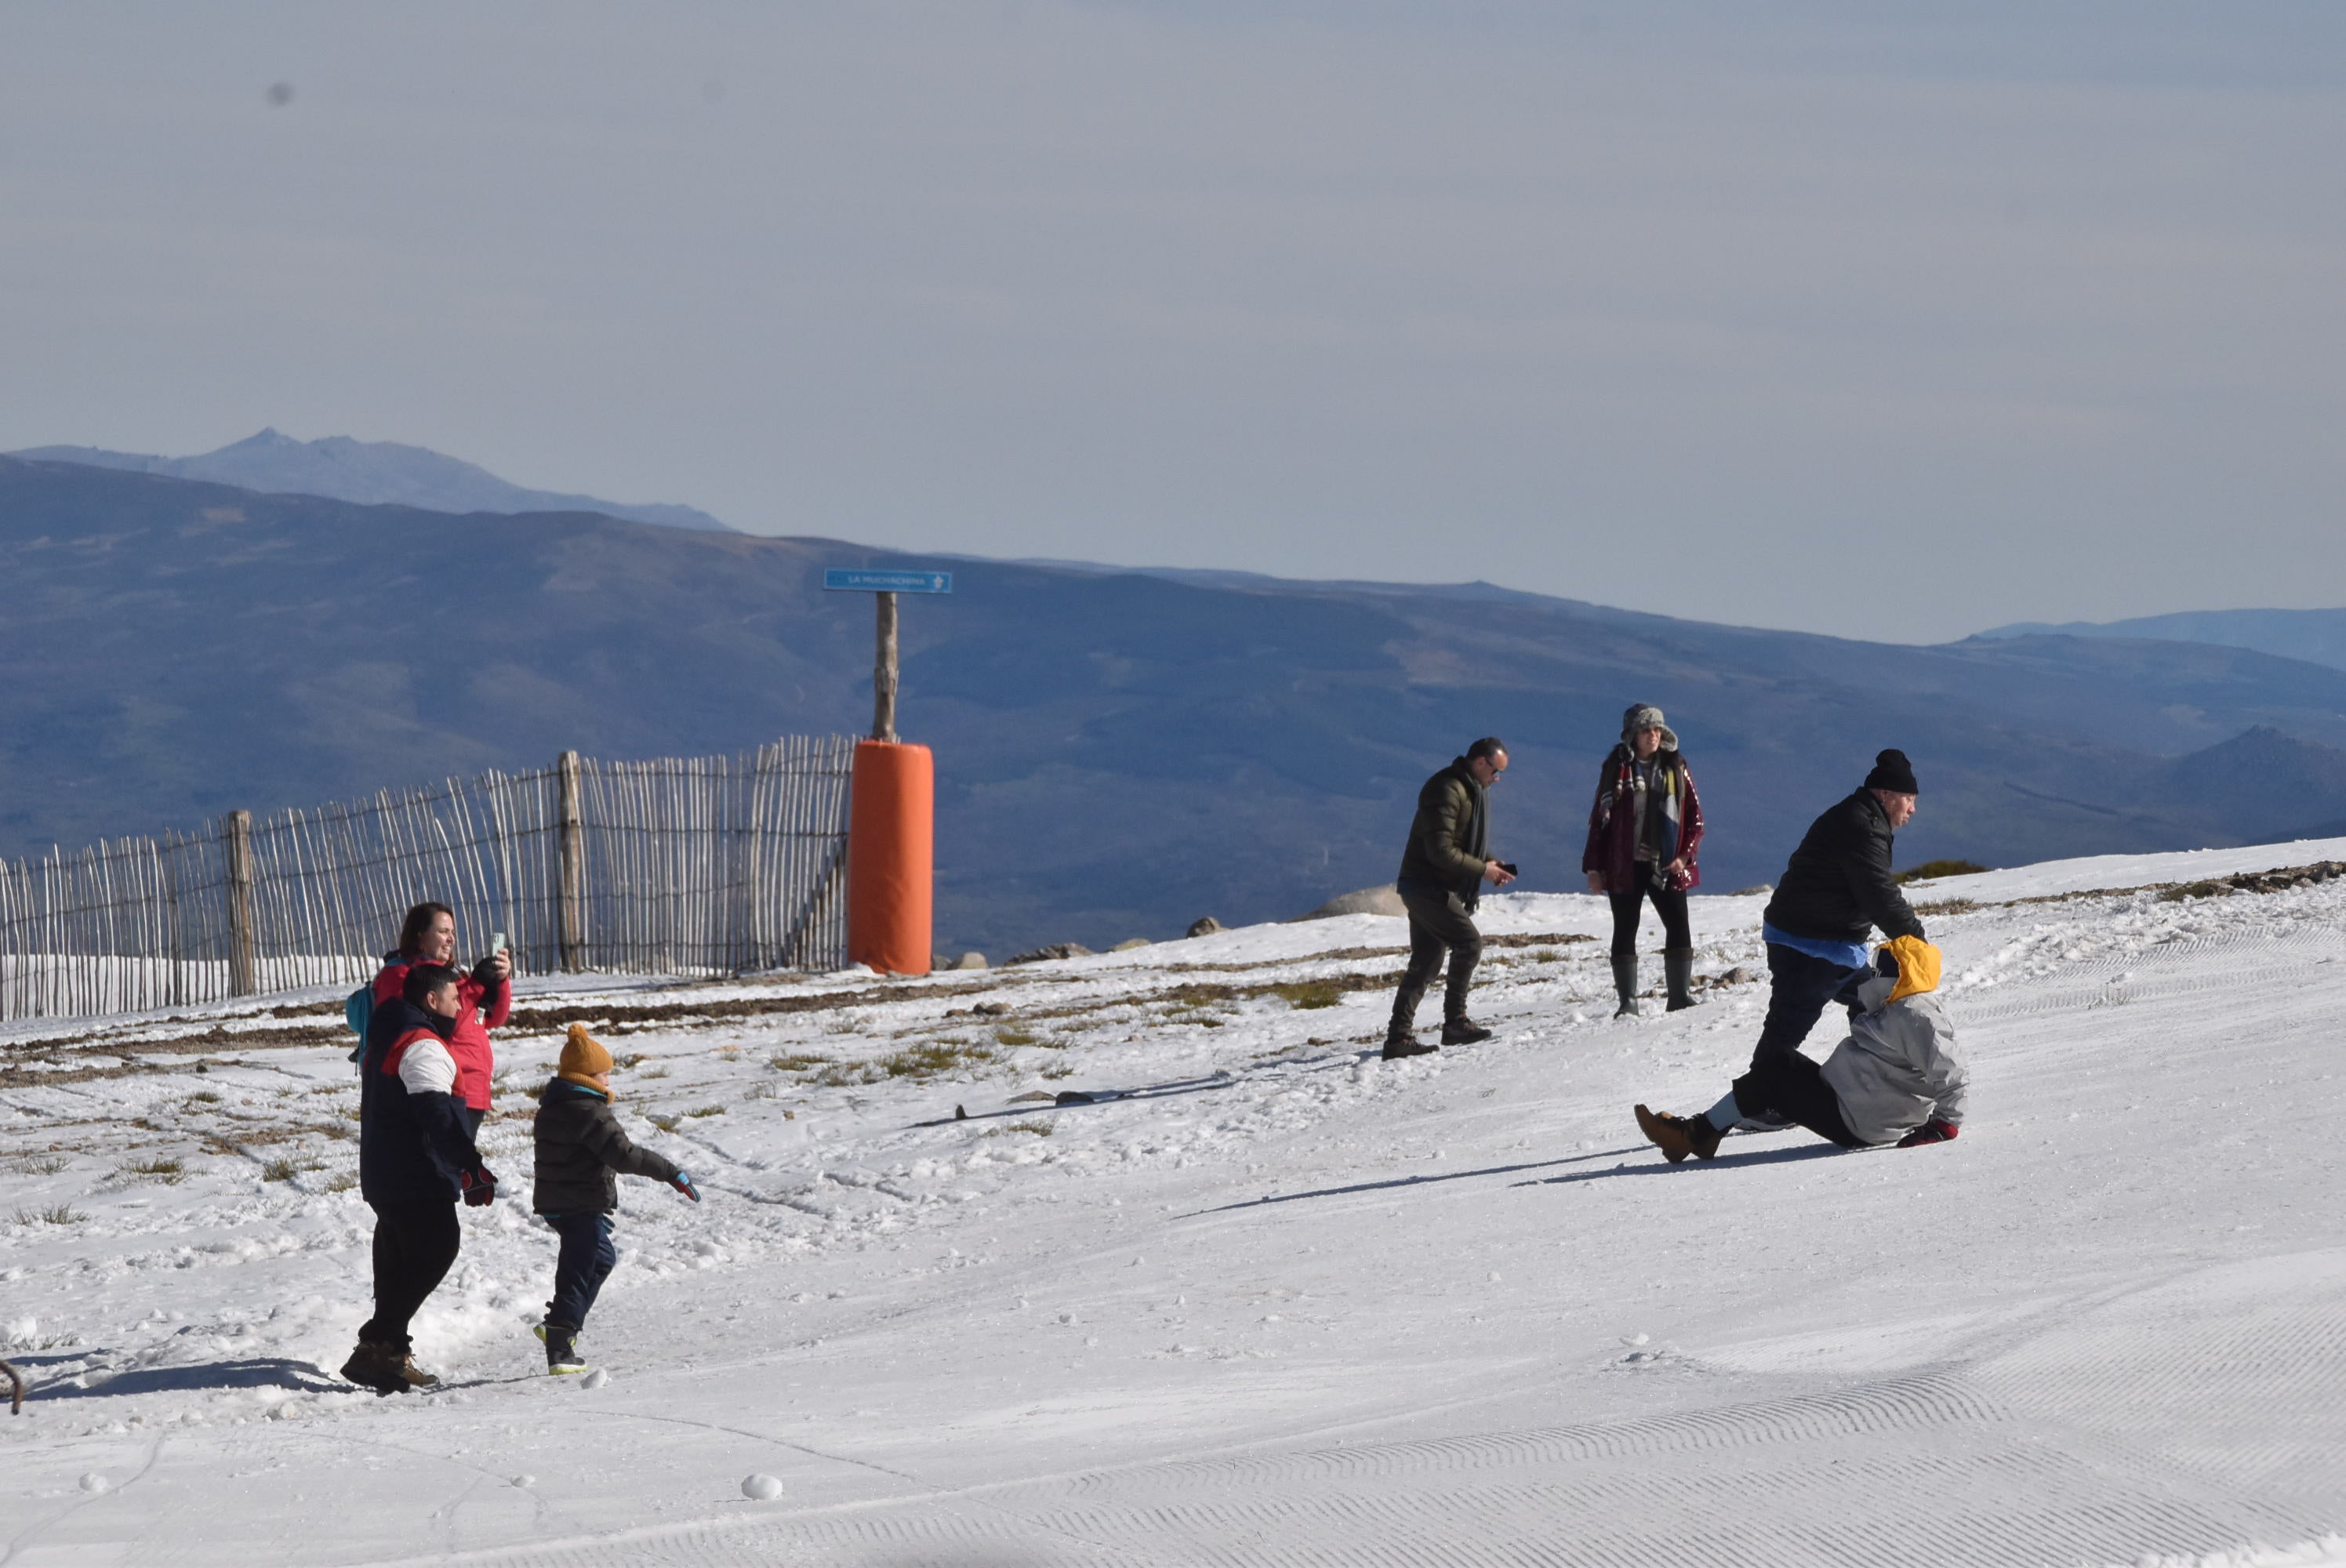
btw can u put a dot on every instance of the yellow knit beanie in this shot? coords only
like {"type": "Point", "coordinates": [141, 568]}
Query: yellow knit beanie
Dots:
{"type": "Point", "coordinates": [583, 1057]}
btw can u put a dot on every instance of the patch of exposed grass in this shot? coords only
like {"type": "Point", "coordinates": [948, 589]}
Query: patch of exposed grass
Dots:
{"type": "Point", "coordinates": [918, 1062]}
{"type": "Point", "coordinates": [284, 1170]}
{"type": "Point", "coordinates": [204, 1097]}
{"type": "Point", "coordinates": [1060, 1070]}
{"type": "Point", "coordinates": [707, 1111]}
{"type": "Point", "coordinates": [39, 1165]}
{"type": "Point", "coordinates": [1930, 869]}
{"type": "Point", "coordinates": [651, 1073]}
{"type": "Point", "coordinates": [168, 1171]}
{"type": "Point", "coordinates": [1948, 907]}
{"type": "Point", "coordinates": [343, 1182]}
{"type": "Point", "coordinates": [665, 1123]}
{"type": "Point", "coordinates": [1037, 1126]}
{"type": "Point", "coordinates": [1013, 1036]}
{"type": "Point", "coordinates": [797, 1061]}
{"type": "Point", "coordinates": [1303, 995]}
{"type": "Point", "coordinates": [1547, 955]}
{"type": "Point", "coordinates": [59, 1215]}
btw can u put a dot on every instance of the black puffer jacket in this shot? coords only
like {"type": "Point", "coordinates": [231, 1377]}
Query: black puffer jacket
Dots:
{"type": "Point", "coordinates": [1838, 887]}
{"type": "Point", "coordinates": [581, 1152]}
{"type": "Point", "coordinates": [1449, 837]}
{"type": "Point", "coordinates": [412, 1148]}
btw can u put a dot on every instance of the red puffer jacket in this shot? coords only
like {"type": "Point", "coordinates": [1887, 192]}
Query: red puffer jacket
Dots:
{"type": "Point", "coordinates": [477, 1058]}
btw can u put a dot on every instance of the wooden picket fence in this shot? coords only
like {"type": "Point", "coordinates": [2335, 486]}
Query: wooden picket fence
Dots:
{"type": "Point", "coordinates": [705, 865]}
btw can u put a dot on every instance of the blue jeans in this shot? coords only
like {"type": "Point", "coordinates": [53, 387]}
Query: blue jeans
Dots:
{"type": "Point", "coordinates": [586, 1261]}
{"type": "Point", "coordinates": [1799, 986]}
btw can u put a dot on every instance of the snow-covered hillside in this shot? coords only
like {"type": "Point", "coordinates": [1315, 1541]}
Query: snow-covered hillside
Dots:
{"type": "Point", "coordinates": [1282, 1303]}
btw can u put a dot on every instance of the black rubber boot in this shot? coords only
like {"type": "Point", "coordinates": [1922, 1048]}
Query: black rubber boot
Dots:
{"type": "Point", "coordinates": [1463, 1030]}
{"type": "Point", "coordinates": [1678, 967]}
{"type": "Point", "coordinates": [1625, 981]}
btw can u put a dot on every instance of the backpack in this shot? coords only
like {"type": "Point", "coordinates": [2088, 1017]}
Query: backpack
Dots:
{"type": "Point", "coordinates": [357, 1011]}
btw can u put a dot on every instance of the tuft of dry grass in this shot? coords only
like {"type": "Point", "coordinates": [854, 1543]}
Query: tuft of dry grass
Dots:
{"type": "Point", "coordinates": [168, 1171]}
{"type": "Point", "coordinates": [39, 1165]}
{"type": "Point", "coordinates": [1304, 995]}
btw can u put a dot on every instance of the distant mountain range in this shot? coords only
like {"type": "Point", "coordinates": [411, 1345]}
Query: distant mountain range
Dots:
{"type": "Point", "coordinates": [2317, 637]}
{"type": "Point", "coordinates": [1117, 752]}
{"type": "Point", "coordinates": [372, 473]}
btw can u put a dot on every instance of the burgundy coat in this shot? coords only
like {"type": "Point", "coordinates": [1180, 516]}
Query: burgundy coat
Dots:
{"type": "Point", "coordinates": [1613, 823]}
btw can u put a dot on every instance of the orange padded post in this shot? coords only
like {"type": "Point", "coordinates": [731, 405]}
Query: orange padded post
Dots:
{"type": "Point", "coordinates": [891, 843]}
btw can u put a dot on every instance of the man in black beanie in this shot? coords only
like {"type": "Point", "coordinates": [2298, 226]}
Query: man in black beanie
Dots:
{"type": "Point", "coordinates": [1836, 890]}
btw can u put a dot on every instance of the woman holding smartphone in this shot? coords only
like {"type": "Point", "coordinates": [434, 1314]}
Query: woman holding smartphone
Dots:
{"type": "Point", "coordinates": [1642, 834]}
{"type": "Point", "coordinates": [484, 998]}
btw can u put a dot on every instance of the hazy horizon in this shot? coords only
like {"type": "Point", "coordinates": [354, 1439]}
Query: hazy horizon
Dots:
{"type": "Point", "coordinates": [1831, 321]}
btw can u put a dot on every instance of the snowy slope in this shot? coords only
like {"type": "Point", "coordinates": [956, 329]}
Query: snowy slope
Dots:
{"type": "Point", "coordinates": [1294, 1306]}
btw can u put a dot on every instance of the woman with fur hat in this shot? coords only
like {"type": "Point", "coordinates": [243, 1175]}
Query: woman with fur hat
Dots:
{"type": "Point", "coordinates": [1642, 834]}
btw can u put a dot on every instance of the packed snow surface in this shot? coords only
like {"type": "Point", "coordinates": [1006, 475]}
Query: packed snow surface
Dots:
{"type": "Point", "coordinates": [1282, 1303]}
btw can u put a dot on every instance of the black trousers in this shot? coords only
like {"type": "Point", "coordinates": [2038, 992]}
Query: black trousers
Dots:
{"type": "Point", "coordinates": [1794, 1088]}
{"type": "Point", "coordinates": [1668, 902]}
{"type": "Point", "coordinates": [414, 1245]}
{"type": "Point", "coordinates": [1799, 986]}
{"type": "Point", "coordinates": [1438, 923]}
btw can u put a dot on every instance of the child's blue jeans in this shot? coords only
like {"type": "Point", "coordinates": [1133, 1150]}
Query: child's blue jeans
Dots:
{"type": "Point", "coordinates": [586, 1261]}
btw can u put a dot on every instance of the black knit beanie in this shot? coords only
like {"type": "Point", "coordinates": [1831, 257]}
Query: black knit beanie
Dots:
{"type": "Point", "coordinates": [1892, 772]}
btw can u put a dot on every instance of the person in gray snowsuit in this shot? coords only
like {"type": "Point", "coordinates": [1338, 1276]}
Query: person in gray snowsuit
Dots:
{"type": "Point", "coordinates": [1898, 1078]}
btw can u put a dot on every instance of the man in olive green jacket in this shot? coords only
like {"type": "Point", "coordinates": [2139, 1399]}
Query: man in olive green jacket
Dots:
{"type": "Point", "coordinates": [1442, 877]}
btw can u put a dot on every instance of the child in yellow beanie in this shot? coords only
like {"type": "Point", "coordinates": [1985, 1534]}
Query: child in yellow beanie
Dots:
{"type": "Point", "coordinates": [581, 1152]}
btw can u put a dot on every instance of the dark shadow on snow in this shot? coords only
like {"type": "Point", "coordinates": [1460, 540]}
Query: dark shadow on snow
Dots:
{"type": "Point", "coordinates": [258, 1373]}
{"type": "Point", "coordinates": [1416, 1181]}
{"type": "Point", "coordinates": [1658, 1167]}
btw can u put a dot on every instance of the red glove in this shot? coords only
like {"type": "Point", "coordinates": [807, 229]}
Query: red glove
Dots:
{"type": "Point", "coordinates": [1934, 1131]}
{"type": "Point", "coordinates": [479, 1186]}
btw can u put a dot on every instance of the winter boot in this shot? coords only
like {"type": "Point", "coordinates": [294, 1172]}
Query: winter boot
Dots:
{"type": "Point", "coordinates": [1400, 1042]}
{"type": "Point", "coordinates": [1679, 1136]}
{"type": "Point", "coordinates": [1463, 1030]}
{"type": "Point", "coordinates": [416, 1377]}
{"type": "Point", "coordinates": [1678, 966]}
{"type": "Point", "coordinates": [1666, 1133]}
{"type": "Point", "coordinates": [562, 1356]}
{"type": "Point", "coordinates": [377, 1367]}
{"type": "Point", "coordinates": [1625, 981]}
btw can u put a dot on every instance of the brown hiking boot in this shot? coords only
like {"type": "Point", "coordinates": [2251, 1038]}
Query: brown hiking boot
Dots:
{"type": "Point", "coordinates": [1664, 1133]}
{"type": "Point", "coordinates": [416, 1377]}
{"type": "Point", "coordinates": [377, 1367]}
{"type": "Point", "coordinates": [1400, 1044]}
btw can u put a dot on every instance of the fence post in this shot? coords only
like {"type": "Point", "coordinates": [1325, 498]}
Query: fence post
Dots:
{"type": "Point", "coordinates": [570, 894]}
{"type": "Point", "coordinates": [243, 969]}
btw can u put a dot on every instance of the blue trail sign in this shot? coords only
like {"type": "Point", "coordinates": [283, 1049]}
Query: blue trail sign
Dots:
{"type": "Point", "coordinates": [855, 579]}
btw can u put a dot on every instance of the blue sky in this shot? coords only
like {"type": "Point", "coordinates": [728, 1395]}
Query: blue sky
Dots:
{"type": "Point", "coordinates": [1832, 317]}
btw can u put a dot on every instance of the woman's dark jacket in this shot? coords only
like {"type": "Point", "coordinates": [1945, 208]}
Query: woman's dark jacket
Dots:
{"type": "Point", "coordinates": [1448, 837]}
{"type": "Point", "coordinates": [1838, 887]}
{"type": "Point", "coordinates": [1613, 824]}
{"type": "Point", "coordinates": [412, 1148]}
{"type": "Point", "coordinates": [581, 1152]}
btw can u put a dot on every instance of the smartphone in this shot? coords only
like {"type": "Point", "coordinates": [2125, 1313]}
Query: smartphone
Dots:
{"type": "Point", "coordinates": [1509, 867]}
{"type": "Point", "coordinates": [496, 942]}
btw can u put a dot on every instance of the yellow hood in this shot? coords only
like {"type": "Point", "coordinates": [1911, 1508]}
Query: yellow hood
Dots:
{"type": "Point", "coordinates": [1918, 966]}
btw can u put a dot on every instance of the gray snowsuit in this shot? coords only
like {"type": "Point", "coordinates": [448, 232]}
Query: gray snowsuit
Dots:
{"type": "Point", "coordinates": [1899, 1068]}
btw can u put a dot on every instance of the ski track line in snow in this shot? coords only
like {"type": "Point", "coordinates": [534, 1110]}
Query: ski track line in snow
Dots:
{"type": "Point", "coordinates": [2033, 1456]}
